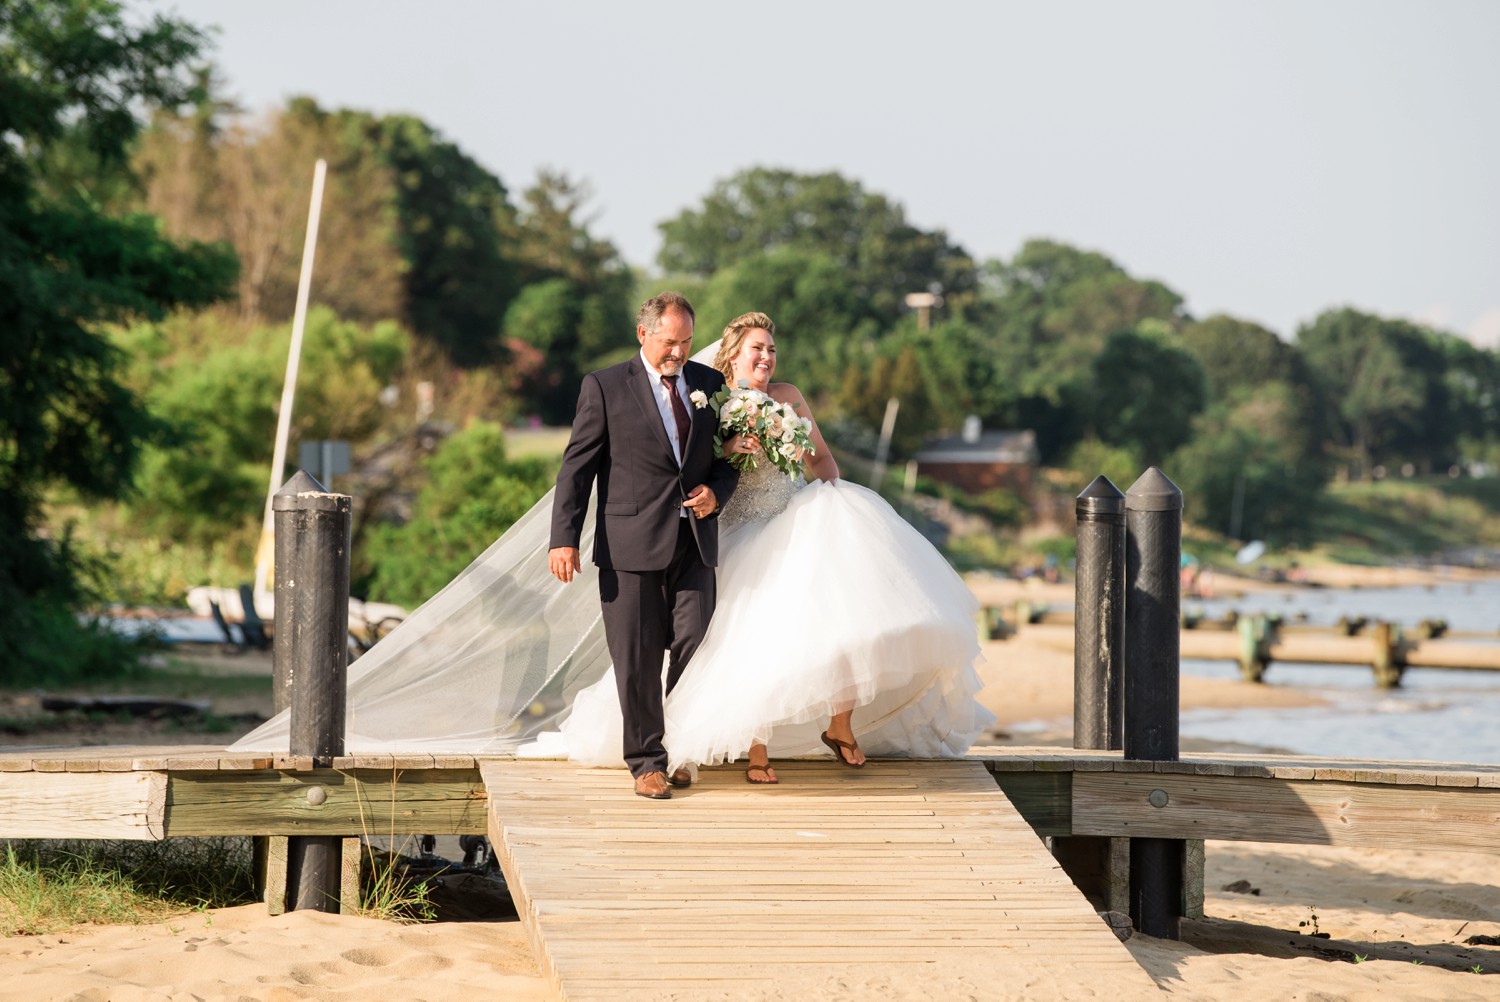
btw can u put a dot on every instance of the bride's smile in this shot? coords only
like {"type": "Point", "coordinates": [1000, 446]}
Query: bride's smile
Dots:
{"type": "Point", "coordinates": [756, 361]}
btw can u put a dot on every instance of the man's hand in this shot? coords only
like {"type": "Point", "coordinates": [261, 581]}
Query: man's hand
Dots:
{"type": "Point", "coordinates": [563, 562]}
{"type": "Point", "coordinates": [701, 502]}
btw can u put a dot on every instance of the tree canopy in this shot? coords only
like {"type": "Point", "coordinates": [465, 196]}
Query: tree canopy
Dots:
{"type": "Point", "coordinates": [76, 69]}
{"type": "Point", "coordinates": [412, 227]}
{"type": "Point", "coordinates": [1383, 387]}
{"type": "Point", "coordinates": [863, 233]}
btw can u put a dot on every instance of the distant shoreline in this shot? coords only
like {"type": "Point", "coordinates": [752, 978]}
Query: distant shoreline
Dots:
{"type": "Point", "coordinates": [1001, 592]}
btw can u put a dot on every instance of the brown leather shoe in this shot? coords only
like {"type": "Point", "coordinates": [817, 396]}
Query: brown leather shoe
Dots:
{"type": "Point", "coordinates": [652, 785]}
{"type": "Point", "coordinates": [681, 778]}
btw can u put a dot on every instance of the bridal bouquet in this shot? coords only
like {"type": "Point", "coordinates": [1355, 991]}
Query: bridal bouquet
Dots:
{"type": "Point", "coordinates": [785, 438]}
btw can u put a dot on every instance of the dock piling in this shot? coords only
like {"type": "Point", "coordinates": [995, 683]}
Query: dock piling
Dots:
{"type": "Point", "coordinates": [1389, 662]}
{"type": "Point", "coordinates": [310, 657]}
{"type": "Point", "coordinates": [1153, 607]}
{"type": "Point", "coordinates": [1098, 866]}
{"type": "Point", "coordinates": [1256, 635]}
{"type": "Point", "coordinates": [1099, 617]}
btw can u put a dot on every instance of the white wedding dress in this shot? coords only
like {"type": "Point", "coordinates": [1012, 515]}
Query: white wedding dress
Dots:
{"type": "Point", "coordinates": [826, 599]}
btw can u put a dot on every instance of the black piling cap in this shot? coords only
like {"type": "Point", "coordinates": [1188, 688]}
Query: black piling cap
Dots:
{"type": "Point", "coordinates": [1101, 501]}
{"type": "Point", "coordinates": [1101, 498]}
{"type": "Point", "coordinates": [1153, 492]}
{"type": "Point", "coordinates": [304, 492]}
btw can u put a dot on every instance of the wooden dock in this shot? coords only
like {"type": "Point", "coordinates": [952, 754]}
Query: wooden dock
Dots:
{"type": "Point", "coordinates": [907, 867]}
{"type": "Point", "coordinates": [903, 869]}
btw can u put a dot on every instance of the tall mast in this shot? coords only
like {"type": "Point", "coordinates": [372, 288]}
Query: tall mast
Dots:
{"type": "Point", "coordinates": [267, 549]}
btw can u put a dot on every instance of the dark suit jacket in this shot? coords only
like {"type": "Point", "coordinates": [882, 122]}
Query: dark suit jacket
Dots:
{"type": "Point", "coordinates": [618, 439]}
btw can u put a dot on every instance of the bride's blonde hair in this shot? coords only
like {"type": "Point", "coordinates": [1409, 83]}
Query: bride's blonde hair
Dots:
{"type": "Point", "coordinates": [734, 336]}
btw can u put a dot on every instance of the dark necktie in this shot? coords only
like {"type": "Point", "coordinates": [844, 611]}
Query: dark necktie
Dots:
{"type": "Point", "coordinates": [679, 412]}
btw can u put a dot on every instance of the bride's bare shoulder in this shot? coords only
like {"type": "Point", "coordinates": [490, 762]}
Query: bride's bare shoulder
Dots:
{"type": "Point", "coordinates": [786, 393]}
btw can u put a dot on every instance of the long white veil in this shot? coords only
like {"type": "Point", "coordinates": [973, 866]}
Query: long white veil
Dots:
{"type": "Point", "coordinates": [484, 665]}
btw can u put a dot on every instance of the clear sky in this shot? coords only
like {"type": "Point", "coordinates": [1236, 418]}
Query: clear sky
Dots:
{"type": "Point", "coordinates": [1268, 159]}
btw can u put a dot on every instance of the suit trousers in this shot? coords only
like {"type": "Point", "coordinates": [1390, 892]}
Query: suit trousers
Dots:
{"type": "Point", "coordinates": [648, 614]}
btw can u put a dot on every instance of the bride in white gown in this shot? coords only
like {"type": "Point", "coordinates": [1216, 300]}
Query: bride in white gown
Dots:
{"type": "Point", "coordinates": [830, 606]}
{"type": "Point", "coordinates": [828, 603]}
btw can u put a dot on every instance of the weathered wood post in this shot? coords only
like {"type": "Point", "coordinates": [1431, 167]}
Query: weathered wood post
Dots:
{"type": "Point", "coordinates": [1256, 635]}
{"type": "Point", "coordinates": [310, 659]}
{"type": "Point", "coordinates": [1099, 617]}
{"type": "Point", "coordinates": [1390, 655]}
{"type": "Point", "coordinates": [1153, 604]}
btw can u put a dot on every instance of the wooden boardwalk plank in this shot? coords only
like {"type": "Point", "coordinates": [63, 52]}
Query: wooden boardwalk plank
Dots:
{"type": "Point", "coordinates": [1315, 811]}
{"type": "Point", "coordinates": [127, 805]}
{"type": "Point", "coordinates": [905, 866]}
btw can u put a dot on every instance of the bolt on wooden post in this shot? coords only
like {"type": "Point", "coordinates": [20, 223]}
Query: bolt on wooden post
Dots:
{"type": "Point", "coordinates": [310, 658]}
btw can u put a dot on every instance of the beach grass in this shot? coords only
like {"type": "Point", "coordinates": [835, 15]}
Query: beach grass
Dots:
{"type": "Point", "coordinates": [50, 885]}
{"type": "Point", "coordinates": [390, 890]}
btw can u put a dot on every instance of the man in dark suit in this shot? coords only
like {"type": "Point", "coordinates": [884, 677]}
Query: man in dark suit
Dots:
{"type": "Point", "coordinates": [644, 432]}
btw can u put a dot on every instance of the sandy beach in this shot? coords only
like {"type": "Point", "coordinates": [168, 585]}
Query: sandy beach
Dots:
{"type": "Point", "coordinates": [1397, 922]}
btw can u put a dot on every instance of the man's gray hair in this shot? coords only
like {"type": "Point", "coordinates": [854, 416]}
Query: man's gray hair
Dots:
{"type": "Point", "coordinates": [649, 316]}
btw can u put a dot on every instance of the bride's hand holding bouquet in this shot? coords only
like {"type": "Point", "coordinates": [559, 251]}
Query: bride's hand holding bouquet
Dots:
{"type": "Point", "coordinates": [753, 425]}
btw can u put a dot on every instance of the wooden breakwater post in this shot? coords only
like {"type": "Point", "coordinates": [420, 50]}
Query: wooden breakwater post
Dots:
{"type": "Point", "coordinates": [1153, 608]}
{"type": "Point", "coordinates": [310, 657]}
{"type": "Point", "coordinates": [1099, 866]}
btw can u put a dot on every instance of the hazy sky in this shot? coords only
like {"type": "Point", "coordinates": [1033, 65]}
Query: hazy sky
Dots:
{"type": "Point", "coordinates": [1265, 159]}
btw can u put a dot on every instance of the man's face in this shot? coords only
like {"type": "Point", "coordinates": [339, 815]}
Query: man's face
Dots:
{"type": "Point", "coordinates": [670, 345]}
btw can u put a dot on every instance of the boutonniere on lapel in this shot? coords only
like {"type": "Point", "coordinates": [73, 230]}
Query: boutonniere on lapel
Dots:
{"type": "Point", "coordinates": [699, 399]}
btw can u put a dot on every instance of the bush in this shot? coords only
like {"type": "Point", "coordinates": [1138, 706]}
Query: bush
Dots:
{"type": "Point", "coordinates": [58, 647]}
{"type": "Point", "coordinates": [473, 494]}
{"type": "Point", "coordinates": [43, 637]}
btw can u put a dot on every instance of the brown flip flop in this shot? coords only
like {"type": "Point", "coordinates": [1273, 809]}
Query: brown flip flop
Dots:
{"type": "Point", "coordinates": [764, 770]}
{"type": "Point", "coordinates": [834, 744]}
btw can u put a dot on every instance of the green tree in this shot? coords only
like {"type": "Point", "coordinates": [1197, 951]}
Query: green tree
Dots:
{"type": "Point", "coordinates": [895, 372]}
{"type": "Point", "coordinates": [1383, 384]}
{"type": "Point", "coordinates": [1249, 471]}
{"type": "Point", "coordinates": [865, 234]}
{"type": "Point", "coordinates": [569, 331]}
{"type": "Point", "coordinates": [1050, 311]}
{"type": "Point", "coordinates": [452, 213]}
{"type": "Point", "coordinates": [1143, 392]}
{"type": "Point", "coordinates": [216, 388]}
{"type": "Point", "coordinates": [821, 323]}
{"type": "Point", "coordinates": [549, 237]}
{"type": "Point", "coordinates": [472, 495]}
{"type": "Point", "coordinates": [75, 70]}
{"type": "Point", "coordinates": [1240, 355]}
{"type": "Point", "coordinates": [1473, 383]}
{"type": "Point", "coordinates": [412, 228]}
{"type": "Point", "coordinates": [573, 313]}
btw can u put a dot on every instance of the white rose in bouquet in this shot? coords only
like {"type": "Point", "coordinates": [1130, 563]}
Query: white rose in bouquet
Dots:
{"type": "Point", "coordinates": [784, 436]}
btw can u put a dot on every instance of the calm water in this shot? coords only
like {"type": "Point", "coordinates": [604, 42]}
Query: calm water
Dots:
{"type": "Point", "coordinates": [1443, 715]}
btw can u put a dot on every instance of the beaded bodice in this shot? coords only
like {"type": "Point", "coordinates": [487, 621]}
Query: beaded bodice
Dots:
{"type": "Point", "coordinates": [763, 493]}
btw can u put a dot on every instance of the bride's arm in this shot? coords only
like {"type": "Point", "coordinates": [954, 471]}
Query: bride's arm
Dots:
{"type": "Point", "coordinates": [820, 465]}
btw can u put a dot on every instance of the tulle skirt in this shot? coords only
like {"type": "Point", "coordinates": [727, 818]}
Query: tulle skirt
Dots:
{"type": "Point", "coordinates": [834, 603]}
